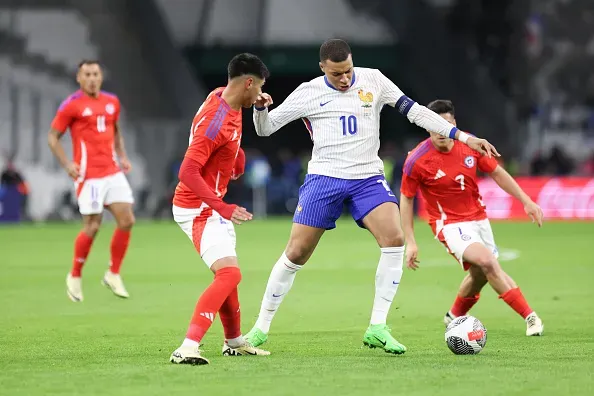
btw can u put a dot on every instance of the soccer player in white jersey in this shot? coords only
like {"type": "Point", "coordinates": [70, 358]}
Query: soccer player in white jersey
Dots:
{"type": "Point", "coordinates": [341, 110]}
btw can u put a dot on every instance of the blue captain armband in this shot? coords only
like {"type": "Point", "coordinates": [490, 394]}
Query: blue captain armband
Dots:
{"type": "Point", "coordinates": [463, 136]}
{"type": "Point", "coordinates": [404, 104]}
{"type": "Point", "coordinates": [453, 133]}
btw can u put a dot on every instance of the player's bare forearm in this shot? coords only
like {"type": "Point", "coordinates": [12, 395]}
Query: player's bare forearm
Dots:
{"type": "Point", "coordinates": [53, 140]}
{"type": "Point", "coordinates": [407, 215]}
{"type": "Point", "coordinates": [119, 146]}
{"type": "Point", "coordinates": [509, 185]}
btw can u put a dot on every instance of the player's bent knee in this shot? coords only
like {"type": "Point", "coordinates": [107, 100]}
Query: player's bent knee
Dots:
{"type": "Point", "coordinates": [127, 222]}
{"type": "Point", "coordinates": [393, 239]}
{"type": "Point", "coordinates": [391, 242]}
{"type": "Point", "coordinates": [298, 253]}
{"type": "Point", "coordinates": [92, 228]}
{"type": "Point", "coordinates": [488, 264]}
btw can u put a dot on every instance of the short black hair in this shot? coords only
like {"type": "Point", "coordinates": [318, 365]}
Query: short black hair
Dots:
{"type": "Point", "coordinates": [335, 50]}
{"type": "Point", "coordinates": [245, 63]}
{"type": "Point", "coordinates": [442, 106]}
{"type": "Point", "coordinates": [88, 62]}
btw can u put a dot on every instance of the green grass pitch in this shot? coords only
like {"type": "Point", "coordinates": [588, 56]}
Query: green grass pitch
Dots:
{"type": "Point", "coordinates": [108, 346]}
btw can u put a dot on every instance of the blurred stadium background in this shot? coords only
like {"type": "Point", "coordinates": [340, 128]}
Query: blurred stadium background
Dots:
{"type": "Point", "coordinates": [519, 72]}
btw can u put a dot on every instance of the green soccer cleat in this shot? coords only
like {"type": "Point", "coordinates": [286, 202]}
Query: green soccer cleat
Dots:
{"type": "Point", "coordinates": [378, 336]}
{"type": "Point", "coordinates": [256, 337]}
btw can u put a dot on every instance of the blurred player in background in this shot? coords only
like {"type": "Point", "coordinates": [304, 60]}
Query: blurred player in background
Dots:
{"type": "Point", "coordinates": [213, 158]}
{"type": "Point", "coordinates": [341, 110]}
{"type": "Point", "coordinates": [93, 118]}
{"type": "Point", "coordinates": [445, 171]}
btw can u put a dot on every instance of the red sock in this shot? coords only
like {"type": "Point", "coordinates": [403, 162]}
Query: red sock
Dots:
{"type": "Point", "coordinates": [119, 246]}
{"type": "Point", "coordinates": [82, 247]}
{"type": "Point", "coordinates": [515, 299]}
{"type": "Point", "coordinates": [463, 304]}
{"type": "Point", "coordinates": [231, 316]}
{"type": "Point", "coordinates": [210, 302]}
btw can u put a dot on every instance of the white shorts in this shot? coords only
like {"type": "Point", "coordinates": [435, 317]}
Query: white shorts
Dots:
{"type": "Point", "coordinates": [97, 193]}
{"type": "Point", "coordinates": [212, 236]}
{"type": "Point", "coordinates": [458, 236]}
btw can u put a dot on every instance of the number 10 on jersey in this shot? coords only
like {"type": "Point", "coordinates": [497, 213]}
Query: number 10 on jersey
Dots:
{"type": "Point", "coordinates": [349, 124]}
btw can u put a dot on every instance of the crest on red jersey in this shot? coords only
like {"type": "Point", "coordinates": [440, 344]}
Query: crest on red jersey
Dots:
{"type": "Point", "coordinates": [469, 161]}
{"type": "Point", "coordinates": [110, 108]}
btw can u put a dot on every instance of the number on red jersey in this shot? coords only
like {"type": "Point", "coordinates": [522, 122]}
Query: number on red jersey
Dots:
{"type": "Point", "coordinates": [101, 127]}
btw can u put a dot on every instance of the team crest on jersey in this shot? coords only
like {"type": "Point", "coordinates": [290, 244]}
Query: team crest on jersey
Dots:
{"type": "Point", "coordinates": [469, 161]}
{"type": "Point", "coordinates": [366, 98]}
{"type": "Point", "coordinates": [110, 108]}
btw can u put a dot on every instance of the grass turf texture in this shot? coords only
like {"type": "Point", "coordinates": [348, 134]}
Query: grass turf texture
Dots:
{"type": "Point", "coordinates": [108, 346]}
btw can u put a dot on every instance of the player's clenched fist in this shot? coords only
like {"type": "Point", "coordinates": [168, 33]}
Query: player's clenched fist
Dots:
{"type": "Point", "coordinates": [126, 165]}
{"type": "Point", "coordinates": [73, 170]}
{"type": "Point", "coordinates": [264, 100]}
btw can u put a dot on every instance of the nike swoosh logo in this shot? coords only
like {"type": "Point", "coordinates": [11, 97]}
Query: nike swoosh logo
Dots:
{"type": "Point", "coordinates": [395, 283]}
{"type": "Point", "coordinates": [325, 103]}
{"type": "Point", "coordinates": [276, 295]}
{"type": "Point", "coordinates": [381, 342]}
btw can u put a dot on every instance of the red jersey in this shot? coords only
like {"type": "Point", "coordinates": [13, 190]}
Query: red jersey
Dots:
{"type": "Point", "coordinates": [215, 140]}
{"type": "Point", "coordinates": [92, 127]}
{"type": "Point", "coordinates": [447, 182]}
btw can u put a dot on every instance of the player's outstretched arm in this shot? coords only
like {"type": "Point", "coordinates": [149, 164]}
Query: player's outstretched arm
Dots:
{"type": "Point", "coordinates": [431, 121]}
{"type": "Point", "coordinates": [510, 186]}
{"type": "Point", "coordinates": [53, 140]}
{"type": "Point", "coordinates": [407, 214]}
{"type": "Point", "coordinates": [267, 122]}
{"type": "Point", "coordinates": [427, 119]}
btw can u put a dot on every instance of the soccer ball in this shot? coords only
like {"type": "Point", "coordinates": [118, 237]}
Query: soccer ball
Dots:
{"type": "Point", "coordinates": [466, 335]}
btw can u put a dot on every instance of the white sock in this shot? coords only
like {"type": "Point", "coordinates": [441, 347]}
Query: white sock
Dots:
{"type": "Point", "coordinates": [279, 283]}
{"type": "Point", "coordinates": [190, 343]}
{"type": "Point", "coordinates": [236, 342]}
{"type": "Point", "coordinates": [387, 279]}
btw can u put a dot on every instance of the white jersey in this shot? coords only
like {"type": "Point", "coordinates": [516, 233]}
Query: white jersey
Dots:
{"type": "Point", "coordinates": [344, 126]}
